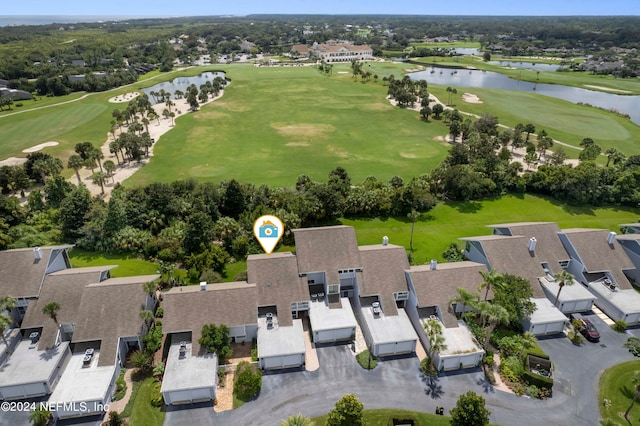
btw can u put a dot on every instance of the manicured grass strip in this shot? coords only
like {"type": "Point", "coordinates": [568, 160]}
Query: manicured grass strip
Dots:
{"type": "Point", "coordinates": [128, 264]}
{"type": "Point", "coordinates": [366, 361]}
{"type": "Point", "coordinates": [447, 222]}
{"type": "Point", "coordinates": [142, 412]}
{"type": "Point", "coordinates": [616, 387]}
{"type": "Point", "coordinates": [132, 400]}
{"type": "Point", "coordinates": [383, 417]}
{"type": "Point", "coordinates": [274, 124]}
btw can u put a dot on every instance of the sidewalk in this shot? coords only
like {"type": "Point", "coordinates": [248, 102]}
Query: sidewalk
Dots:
{"type": "Point", "coordinates": [119, 405]}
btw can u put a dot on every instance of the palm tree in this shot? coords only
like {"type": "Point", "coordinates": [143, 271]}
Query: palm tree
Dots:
{"type": "Point", "coordinates": [529, 128]}
{"type": "Point", "coordinates": [494, 314]}
{"type": "Point", "coordinates": [635, 381]}
{"type": "Point", "coordinates": [528, 342]}
{"type": "Point", "coordinates": [110, 168]}
{"type": "Point", "coordinates": [51, 309]}
{"type": "Point", "coordinates": [491, 278]}
{"type": "Point", "coordinates": [562, 278]}
{"type": "Point", "coordinates": [40, 417]}
{"type": "Point", "coordinates": [466, 298]}
{"type": "Point", "coordinates": [150, 288]}
{"type": "Point", "coordinates": [147, 315]}
{"type": "Point", "coordinates": [297, 420]}
{"type": "Point", "coordinates": [433, 329]}
{"type": "Point", "coordinates": [7, 303]}
{"type": "Point", "coordinates": [76, 162]}
{"type": "Point", "coordinates": [99, 178]}
{"type": "Point", "coordinates": [5, 322]}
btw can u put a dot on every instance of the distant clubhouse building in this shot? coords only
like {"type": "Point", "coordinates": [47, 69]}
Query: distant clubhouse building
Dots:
{"type": "Point", "coordinates": [334, 51]}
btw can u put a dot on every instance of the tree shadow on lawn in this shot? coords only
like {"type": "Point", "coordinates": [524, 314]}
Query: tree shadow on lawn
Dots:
{"type": "Point", "coordinates": [466, 206]}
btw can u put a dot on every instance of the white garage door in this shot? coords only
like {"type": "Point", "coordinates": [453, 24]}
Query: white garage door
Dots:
{"type": "Point", "coordinates": [202, 394]}
{"type": "Point", "coordinates": [284, 361]}
{"type": "Point", "coordinates": [569, 307]}
{"type": "Point", "coordinates": [550, 328]}
{"type": "Point", "coordinates": [23, 391]}
{"type": "Point", "coordinates": [334, 335]}
{"type": "Point", "coordinates": [178, 397]}
{"type": "Point", "coordinates": [405, 347]}
{"type": "Point", "coordinates": [385, 349]}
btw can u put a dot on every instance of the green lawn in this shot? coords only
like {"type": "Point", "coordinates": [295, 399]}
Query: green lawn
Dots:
{"type": "Point", "coordinates": [563, 120]}
{"type": "Point", "coordinates": [274, 124]}
{"type": "Point", "coordinates": [142, 412]}
{"type": "Point", "coordinates": [128, 265]}
{"type": "Point", "coordinates": [615, 386]}
{"type": "Point", "coordinates": [382, 417]}
{"type": "Point", "coordinates": [449, 221]}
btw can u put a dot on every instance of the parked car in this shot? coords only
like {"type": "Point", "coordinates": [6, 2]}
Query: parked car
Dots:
{"type": "Point", "coordinates": [588, 330]}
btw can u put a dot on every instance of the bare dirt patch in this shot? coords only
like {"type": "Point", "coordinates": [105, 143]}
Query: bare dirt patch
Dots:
{"type": "Point", "coordinates": [304, 130]}
{"type": "Point", "coordinates": [439, 139]}
{"type": "Point", "coordinates": [40, 146]}
{"type": "Point", "coordinates": [408, 155]}
{"type": "Point", "coordinates": [123, 98]}
{"type": "Point", "coordinates": [296, 144]}
{"type": "Point", "coordinates": [471, 98]}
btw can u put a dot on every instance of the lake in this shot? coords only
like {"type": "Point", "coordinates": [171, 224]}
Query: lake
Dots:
{"type": "Point", "coordinates": [182, 83]}
{"type": "Point", "coordinates": [527, 65]}
{"type": "Point", "coordinates": [493, 80]}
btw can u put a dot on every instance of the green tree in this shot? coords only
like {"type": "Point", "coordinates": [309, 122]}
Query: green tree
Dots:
{"type": "Point", "coordinates": [215, 339]}
{"type": "Point", "coordinates": [635, 382]}
{"type": "Point", "coordinates": [76, 162]}
{"type": "Point", "coordinates": [347, 412]}
{"type": "Point", "coordinates": [110, 168]}
{"type": "Point", "coordinates": [490, 279]}
{"type": "Point", "coordinates": [529, 128]}
{"type": "Point", "coordinates": [493, 314]}
{"type": "Point", "coordinates": [466, 298]}
{"type": "Point", "coordinates": [470, 410]}
{"type": "Point", "coordinates": [413, 216]}
{"type": "Point", "coordinates": [437, 110]}
{"type": "Point", "coordinates": [40, 417]}
{"type": "Point", "coordinates": [433, 330]}
{"type": "Point", "coordinates": [73, 209]}
{"type": "Point", "coordinates": [247, 381]}
{"type": "Point", "coordinates": [562, 278]}
{"type": "Point", "coordinates": [297, 420]}
{"type": "Point", "coordinates": [530, 159]}
{"type": "Point", "coordinates": [5, 323]}
{"type": "Point", "coordinates": [453, 253]}
{"type": "Point", "coordinates": [590, 152]}
{"type": "Point", "coordinates": [528, 341]}
{"type": "Point", "coordinates": [514, 294]}
{"type": "Point", "coordinates": [99, 178]}
{"type": "Point", "coordinates": [51, 310]}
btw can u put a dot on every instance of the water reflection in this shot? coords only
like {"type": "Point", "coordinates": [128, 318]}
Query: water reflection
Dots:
{"type": "Point", "coordinates": [182, 83]}
{"type": "Point", "coordinates": [493, 80]}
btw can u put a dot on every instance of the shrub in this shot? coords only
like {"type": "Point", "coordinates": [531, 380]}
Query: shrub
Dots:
{"type": "Point", "coordinates": [159, 312]}
{"type": "Point", "coordinates": [157, 400]}
{"type": "Point", "coordinates": [121, 388]}
{"type": "Point", "coordinates": [512, 369]}
{"type": "Point", "coordinates": [367, 360]}
{"type": "Point", "coordinates": [254, 354]}
{"type": "Point", "coordinates": [488, 359]}
{"type": "Point", "coordinates": [575, 337]}
{"type": "Point", "coordinates": [620, 326]}
{"type": "Point", "coordinates": [577, 324]}
{"type": "Point", "coordinates": [247, 382]}
{"type": "Point", "coordinates": [142, 360]}
{"type": "Point", "coordinates": [633, 343]}
{"type": "Point", "coordinates": [532, 391]}
{"type": "Point", "coordinates": [115, 419]}
{"type": "Point", "coordinates": [427, 367]}
{"type": "Point", "coordinates": [537, 380]}
{"type": "Point", "coordinates": [153, 339]}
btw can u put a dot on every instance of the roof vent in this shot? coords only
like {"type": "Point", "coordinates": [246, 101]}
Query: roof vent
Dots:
{"type": "Point", "coordinates": [433, 265]}
{"type": "Point", "coordinates": [385, 240]}
{"type": "Point", "coordinates": [37, 253]}
{"type": "Point", "coordinates": [532, 244]}
{"type": "Point", "coordinates": [611, 238]}
{"type": "Point", "coordinates": [203, 286]}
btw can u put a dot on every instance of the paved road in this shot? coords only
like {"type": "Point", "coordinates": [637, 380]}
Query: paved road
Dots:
{"type": "Point", "coordinates": [398, 383]}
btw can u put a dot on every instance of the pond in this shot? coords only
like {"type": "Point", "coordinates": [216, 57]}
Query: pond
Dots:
{"type": "Point", "coordinates": [493, 80]}
{"type": "Point", "coordinates": [182, 83]}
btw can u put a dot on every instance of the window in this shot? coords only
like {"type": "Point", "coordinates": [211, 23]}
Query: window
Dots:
{"type": "Point", "coordinates": [334, 288]}
{"type": "Point", "coordinates": [401, 295]}
{"type": "Point", "coordinates": [563, 263]}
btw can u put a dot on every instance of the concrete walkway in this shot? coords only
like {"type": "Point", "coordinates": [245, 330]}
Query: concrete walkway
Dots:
{"type": "Point", "coordinates": [119, 405]}
{"type": "Point", "coordinates": [311, 358]}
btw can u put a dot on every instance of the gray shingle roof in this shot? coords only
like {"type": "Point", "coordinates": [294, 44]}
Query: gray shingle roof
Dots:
{"type": "Point", "coordinates": [597, 255]}
{"type": "Point", "coordinates": [64, 287]}
{"type": "Point", "coordinates": [21, 273]}
{"type": "Point", "coordinates": [277, 282]}
{"type": "Point", "coordinates": [327, 248]}
{"type": "Point", "coordinates": [510, 255]}
{"type": "Point", "coordinates": [110, 310]}
{"type": "Point", "coordinates": [189, 308]}
{"type": "Point", "coordinates": [437, 287]}
{"type": "Point", "coordinates": [548, 244]}
{"type": "Point", "coordinates": [383, 269]}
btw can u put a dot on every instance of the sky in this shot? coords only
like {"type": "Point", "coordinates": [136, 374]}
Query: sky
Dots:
{"type": "Point", "coordinates": [245, 7]}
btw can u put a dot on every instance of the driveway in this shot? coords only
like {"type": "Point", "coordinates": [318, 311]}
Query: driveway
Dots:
{"type": "Point", "coordinates": [398, 383]}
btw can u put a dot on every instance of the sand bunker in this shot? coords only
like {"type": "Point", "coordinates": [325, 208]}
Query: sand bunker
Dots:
{"type": "Point", "coordinates": [124, 98]}
{"type": "Point", "coordinates": [471, 98]}
{"type": "Point", "coordinates": [39, 147]}
{"type": "Point", "coordinates": [13, 161]}
{"type": "Point", "coordinates": [608, 89]}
